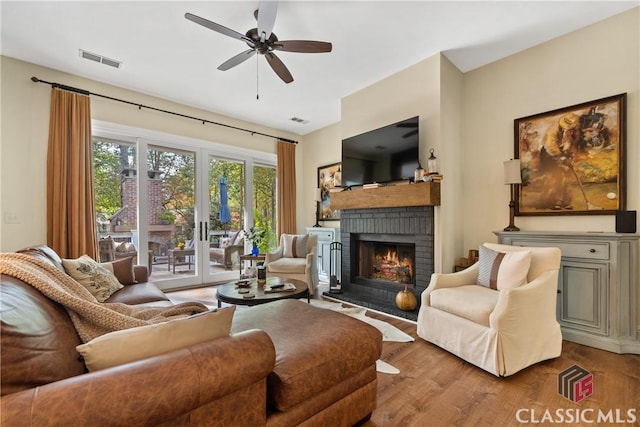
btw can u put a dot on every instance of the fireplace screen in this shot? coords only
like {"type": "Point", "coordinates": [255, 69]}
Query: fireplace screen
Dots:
{"type": "Point", "coordinates": [391, 262]}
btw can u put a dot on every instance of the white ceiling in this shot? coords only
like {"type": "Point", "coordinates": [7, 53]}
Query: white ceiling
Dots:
{"type": "Point", "coordinates": [165, 55]}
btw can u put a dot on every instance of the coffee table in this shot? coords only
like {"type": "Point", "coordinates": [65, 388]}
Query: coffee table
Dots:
{"type": "Point", "coordinates": [229, 292]}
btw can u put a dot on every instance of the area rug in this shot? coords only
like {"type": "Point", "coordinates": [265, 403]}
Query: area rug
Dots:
{"type": "Point", "coordinates": [389, 332]}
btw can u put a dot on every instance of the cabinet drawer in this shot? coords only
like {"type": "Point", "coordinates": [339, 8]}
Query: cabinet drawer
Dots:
{"type": "Point", "coordinates": [322, 235]}
{"type": "Point", "coordinates": [589, 250]}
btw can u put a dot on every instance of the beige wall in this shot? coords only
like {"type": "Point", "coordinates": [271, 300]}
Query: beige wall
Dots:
{"type": "Point", "coordinates": [320, 148]}
{"type": "Point", "coordinates": [24, 133]}
{"type": "Point", "coordinates": [426, 89]}
{"type": "Point", "coordinates": [595, 62]}
{"type": "Point", "coordinates": [468, 119]}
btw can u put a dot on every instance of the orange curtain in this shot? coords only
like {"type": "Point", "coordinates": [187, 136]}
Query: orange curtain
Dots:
{"type": "Point", "coordinates": [286, 188]}
{"type": "Point", "coordinates": [71, 217]}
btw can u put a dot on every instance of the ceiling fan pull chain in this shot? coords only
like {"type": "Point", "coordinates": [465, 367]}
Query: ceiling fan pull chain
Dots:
{"type": "Point", "coordinates": [257, 83]}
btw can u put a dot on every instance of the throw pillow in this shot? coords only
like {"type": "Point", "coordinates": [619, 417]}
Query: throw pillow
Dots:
{"type": "Point", "coordinates": [128, 345]}
{"type": "Point", "coordinates": [224, 242]}
{"type": "Point", "coordinates": [124, 247]}
{"type": "Point", "coordinates": [122, 269]}
{"type": "Point", "coordinates": [98, 280]}
{"type": "Point", "coordinates": [295, 245]}
{"type": "Point", "coordinates": [503, 270]}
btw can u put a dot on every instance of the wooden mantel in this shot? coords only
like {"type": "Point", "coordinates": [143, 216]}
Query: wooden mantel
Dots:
{"type": "Point", "coordinates": [390, 196]}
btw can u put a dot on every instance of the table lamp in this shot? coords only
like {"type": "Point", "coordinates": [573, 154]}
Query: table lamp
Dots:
{"type": "Point", "coordinates": [513, 178]}
{"type": "Point", "coordinates": [317, 202]}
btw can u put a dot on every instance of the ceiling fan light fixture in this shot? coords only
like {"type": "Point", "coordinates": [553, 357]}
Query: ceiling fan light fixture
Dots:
{"type": "Point", "coordinates": [262, 40]}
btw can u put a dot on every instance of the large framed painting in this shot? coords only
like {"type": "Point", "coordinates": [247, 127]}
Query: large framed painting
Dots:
{"type": "Point", "coordinates": [572, 159]}
{"type": "Point", "coordinates": [329, 177]}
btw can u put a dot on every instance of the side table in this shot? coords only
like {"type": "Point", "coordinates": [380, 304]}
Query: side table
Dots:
{"type": "Point", "coordinates": [251, 259]}
{"type": "Point", "coordinates": [175, 254]}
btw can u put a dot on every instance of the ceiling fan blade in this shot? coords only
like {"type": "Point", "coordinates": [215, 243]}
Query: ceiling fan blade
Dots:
{"type": "Point", "coordinates": [278, 66]}
{"type": "Point", "coordinates": [302, 46]}
{"type": "Point", "coordinates": [238, 59]}
{"type": "Point", "coordinates": [218, 28]}
{"type": "Point", "coordinates": [410, 133]}
{"type": "Point", "coordinates": [267, 11]}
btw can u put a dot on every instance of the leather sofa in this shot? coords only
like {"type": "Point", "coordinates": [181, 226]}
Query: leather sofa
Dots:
{"type": "Point", "coordinates": [276, 368]}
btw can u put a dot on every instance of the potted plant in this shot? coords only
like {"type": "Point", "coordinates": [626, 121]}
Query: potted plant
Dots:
{"type": "Point", "coordinates": [255, 236]}
{"type": "Point", "coordinates": [166, 217]}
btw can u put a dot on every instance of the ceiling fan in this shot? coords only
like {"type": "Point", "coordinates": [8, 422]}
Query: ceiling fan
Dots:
{"type": "Point", "coordinates": [409, 125]}
{"type": "Point", "coordinates": [262, 41]}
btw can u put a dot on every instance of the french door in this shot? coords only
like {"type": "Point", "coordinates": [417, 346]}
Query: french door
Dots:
{"type": "Point", "coordinates": [183, 205]}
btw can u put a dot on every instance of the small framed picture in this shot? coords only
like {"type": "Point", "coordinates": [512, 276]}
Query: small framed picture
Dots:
{"type": "Point", "coordinates": [329, 177]}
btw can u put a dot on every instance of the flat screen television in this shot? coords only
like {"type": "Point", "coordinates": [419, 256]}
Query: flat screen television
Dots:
{"type": "Point", "coordinates": [387, 154]}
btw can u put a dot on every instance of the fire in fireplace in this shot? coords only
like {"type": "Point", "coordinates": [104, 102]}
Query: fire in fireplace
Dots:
{"type": "Point", "coordinates": [389, 262]}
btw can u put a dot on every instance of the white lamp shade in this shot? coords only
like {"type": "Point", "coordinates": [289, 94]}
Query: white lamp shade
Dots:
{"type": "Point", "coordinates": [318, 196]}
{"type": "Point", "coordinates": [512, 172]}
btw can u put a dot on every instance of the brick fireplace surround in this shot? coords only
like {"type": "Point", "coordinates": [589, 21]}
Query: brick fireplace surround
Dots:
{"type": "Point", "coordinates": [414, 224]}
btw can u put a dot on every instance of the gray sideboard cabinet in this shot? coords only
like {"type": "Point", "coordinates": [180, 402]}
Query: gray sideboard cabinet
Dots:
{"type": "Point", "coordinates": [326, 235]}
{"type": "Point", "coordinates": [597, 286]}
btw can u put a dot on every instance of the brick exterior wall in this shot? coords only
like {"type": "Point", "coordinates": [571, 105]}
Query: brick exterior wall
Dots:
{"type": "Point", "coordinates": [126, 219]}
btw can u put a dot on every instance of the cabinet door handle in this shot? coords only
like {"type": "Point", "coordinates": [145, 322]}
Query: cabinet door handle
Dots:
{"type": "Point", "coordinates": [593, 251]}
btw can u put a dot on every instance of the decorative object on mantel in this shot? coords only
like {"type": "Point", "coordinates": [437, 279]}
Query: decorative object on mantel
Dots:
{"type": "Point", "coordinates": [329, 177]}
{"type": "Point", "coordinates": [406, 300]}
{"type": "Point", "coordinates": [432, 163]}
{"type": "Point", "coordinates": [434, 177]}
{"type": "Point", "coordinates": [419, 173]}
{"type": "Point", "coordinates": [512, 177]}
{"type": "Point", "coordinates": [573, 159]}
{"type": "Point", "coordinates": [372, 185]}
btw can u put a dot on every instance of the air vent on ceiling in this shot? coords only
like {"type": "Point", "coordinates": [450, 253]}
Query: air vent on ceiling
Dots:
{"type": "Point", "coordinates": [99, 58]}
{"type": "Point", "coordinates": [298, 120]}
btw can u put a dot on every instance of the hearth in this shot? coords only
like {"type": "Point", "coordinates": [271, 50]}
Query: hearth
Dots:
{"type": "Point", "coordinates": [380, 260]}
{"type": "Point", "coordinates": [384, 249]}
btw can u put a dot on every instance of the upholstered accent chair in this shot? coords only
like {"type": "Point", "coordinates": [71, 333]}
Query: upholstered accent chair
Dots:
{"type": "Point", "coordinates": [295, 258]}
{"type": "Point", "coordinates": [228, 250]}
{"type": "Point", "coordinates": [110, 250]}
{"type": "Point", "coordinates": [500, 313]}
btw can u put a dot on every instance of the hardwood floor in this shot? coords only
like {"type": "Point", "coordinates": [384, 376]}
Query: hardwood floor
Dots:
{"type": "Point", "coordinates": [436, 388]}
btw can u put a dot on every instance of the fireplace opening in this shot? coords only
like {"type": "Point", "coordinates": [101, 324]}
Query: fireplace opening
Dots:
{"type": "Point", "coordinates": [386, 262]}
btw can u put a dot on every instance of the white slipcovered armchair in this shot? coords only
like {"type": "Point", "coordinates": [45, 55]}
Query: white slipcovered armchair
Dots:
{"type": "Point", "coordinates": [295, 258]}
{"type": "Point", "coordinates": [499, 330]}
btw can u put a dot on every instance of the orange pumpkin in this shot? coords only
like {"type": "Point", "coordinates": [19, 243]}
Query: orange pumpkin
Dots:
{"type": "Point", "coordinates": [406, 300]}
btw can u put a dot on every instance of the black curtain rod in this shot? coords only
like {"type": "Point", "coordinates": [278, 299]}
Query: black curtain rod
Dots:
{"type": "Point", "coordinates": [141, 106]}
